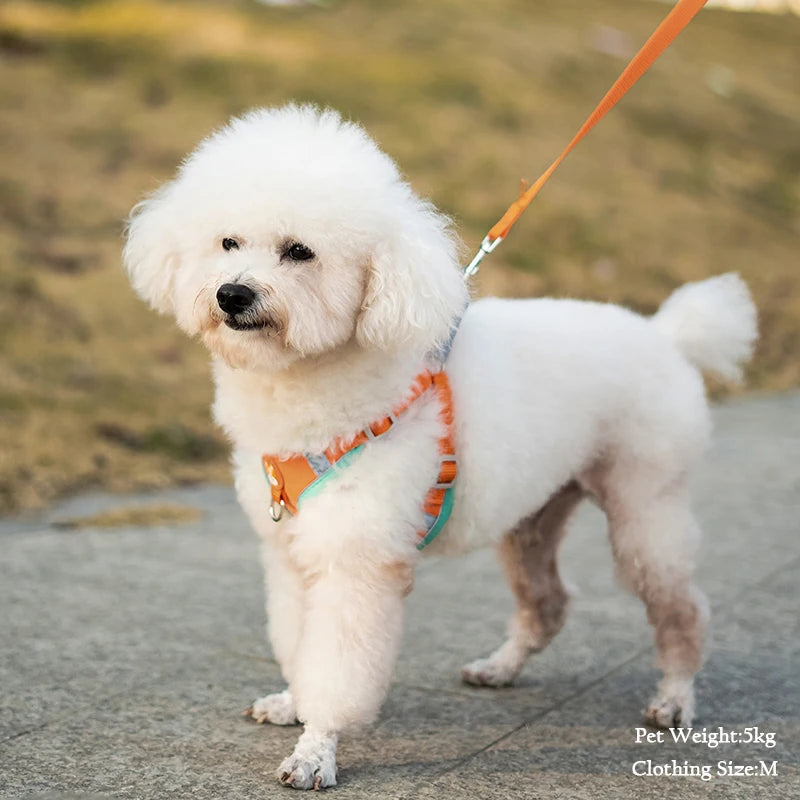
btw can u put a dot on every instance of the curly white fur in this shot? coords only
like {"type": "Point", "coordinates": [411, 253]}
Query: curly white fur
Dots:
{"type": "Point", "coordinates": [554, 400]}
{"type": "Point", "coordinates": [713, 322]}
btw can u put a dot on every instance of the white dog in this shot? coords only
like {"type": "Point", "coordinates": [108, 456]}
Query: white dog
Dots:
{"type": "Point", "coordinates": [322, 284]}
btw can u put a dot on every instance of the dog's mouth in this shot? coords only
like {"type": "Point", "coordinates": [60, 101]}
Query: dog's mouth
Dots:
{"type": "Point", "coordinates": [237, 324]}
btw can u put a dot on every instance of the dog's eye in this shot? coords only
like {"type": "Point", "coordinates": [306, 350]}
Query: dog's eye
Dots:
{"type": "Point", "coordinates": [299, 252]}
{"type": "Point", "coordinates": [230, 244]}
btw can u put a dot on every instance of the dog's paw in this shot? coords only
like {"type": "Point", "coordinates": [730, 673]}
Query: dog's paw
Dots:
{"type": "Point", "coordinates": [488, 672]}
{"type": "Point", "coordinates": [312, 765]}
{"type": "Point", "coordinates": [275, 708]}
{"type": "Point", "coordinates": [673, 706]}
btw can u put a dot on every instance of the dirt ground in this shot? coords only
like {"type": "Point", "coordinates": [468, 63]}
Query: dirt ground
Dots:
{"type": "Point", "coordinates": [697, 172]}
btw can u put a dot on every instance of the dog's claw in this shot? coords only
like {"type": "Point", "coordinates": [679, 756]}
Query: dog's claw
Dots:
{"type": "Point", "coordinates": [277, 709]}
{"type": "Point", "coordinates": [661, 715]}
{"type": "Point", "coordinates": [312, 765]}
{"type": "Point", "coordinates": [249, 713]}
{"type": "Point", "coordinates": [484, 672]}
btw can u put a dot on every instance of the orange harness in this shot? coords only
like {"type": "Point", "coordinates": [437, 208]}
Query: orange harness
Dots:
{"type": "Point", "coordinates": [296, 478]}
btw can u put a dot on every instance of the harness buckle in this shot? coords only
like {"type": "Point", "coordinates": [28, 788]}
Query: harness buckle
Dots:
{"type": "Point", "coordinates": [447, 484]}
{"type": "Point", "coordinates": [370, 434]}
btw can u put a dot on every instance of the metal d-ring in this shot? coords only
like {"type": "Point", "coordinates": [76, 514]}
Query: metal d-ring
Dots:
{"type": "Point", "coordinates": [276, 510]}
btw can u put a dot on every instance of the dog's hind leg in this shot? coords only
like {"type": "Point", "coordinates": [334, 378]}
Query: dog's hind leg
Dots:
{"type": "Point", "coordinates": [653, 534]}
{"type": "Point", "coordinates": [529, 553]}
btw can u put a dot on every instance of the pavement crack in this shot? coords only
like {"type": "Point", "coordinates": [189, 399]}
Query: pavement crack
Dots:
{"type": "Point", "coordinates": [18, 734]}
{"type": "Point", "coordinates": [720, 611]}
{"type": "Point", "coordinates": [544, 712]}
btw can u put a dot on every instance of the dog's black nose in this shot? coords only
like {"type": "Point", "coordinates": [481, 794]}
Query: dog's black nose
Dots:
{"type": "Point", "coordinates": [233, 298]}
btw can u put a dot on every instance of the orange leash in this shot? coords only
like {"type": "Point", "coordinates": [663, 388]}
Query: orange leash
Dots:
{"type": "Point", "coordinates": [677, 19]}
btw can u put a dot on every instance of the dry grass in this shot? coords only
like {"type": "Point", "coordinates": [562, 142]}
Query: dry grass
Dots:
{"type": "Point", "coordinates": [101, 99]}
{"type": "Point", "coordinates": [133, 516]}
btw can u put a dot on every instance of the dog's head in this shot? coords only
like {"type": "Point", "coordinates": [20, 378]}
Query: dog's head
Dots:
{"type": "Point", "coordinates": [288, 234]}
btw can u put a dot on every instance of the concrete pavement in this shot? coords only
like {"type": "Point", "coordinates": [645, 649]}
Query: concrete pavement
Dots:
{"type": "Point", "coordinates": [126, 656]}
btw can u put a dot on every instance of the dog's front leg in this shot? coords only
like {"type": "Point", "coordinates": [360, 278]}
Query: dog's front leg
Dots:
{"type": "Point", "coordinates": [351, 633]}
{"type": "Point", "coordinates": [285, 589]}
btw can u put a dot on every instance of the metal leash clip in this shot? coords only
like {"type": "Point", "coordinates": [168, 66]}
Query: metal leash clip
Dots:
{"type": "Point", "coordinates": [487, 246]}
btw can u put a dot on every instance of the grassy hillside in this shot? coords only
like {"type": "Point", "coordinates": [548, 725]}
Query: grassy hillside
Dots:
{"type": "Point", "coordinates": [697, 172]}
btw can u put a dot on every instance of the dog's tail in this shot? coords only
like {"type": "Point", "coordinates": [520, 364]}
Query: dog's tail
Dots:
{"type": "Point", "coordinates": [713, 323]}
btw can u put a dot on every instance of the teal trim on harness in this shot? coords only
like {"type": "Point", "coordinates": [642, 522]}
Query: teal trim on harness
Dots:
{"type": "Point", "coordinates": [440, 521]}
{"type": "Point", "coordinates": [316, 486]}
{"type": "Point", "coordinates": [326, 470]}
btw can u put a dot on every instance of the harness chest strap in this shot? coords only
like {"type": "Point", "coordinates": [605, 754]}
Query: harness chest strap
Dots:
{"type": "Point", "coordinates": [298, 477]}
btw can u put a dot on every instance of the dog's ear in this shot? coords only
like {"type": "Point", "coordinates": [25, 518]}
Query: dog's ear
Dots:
{"type": "Point", "coordinates": [149, 255]}
{"type": "Point", "coordinates": [415, 290]}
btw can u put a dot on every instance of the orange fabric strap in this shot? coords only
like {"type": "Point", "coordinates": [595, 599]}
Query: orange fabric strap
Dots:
{"type": "Point", "coordinates": [680, 16]}
{"type": "Point", "coordinates": [448, 468]}
{"type": "Point", "coordinates": [290, 476]}
{"type": "Point", "coordinates": [421, 384]}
